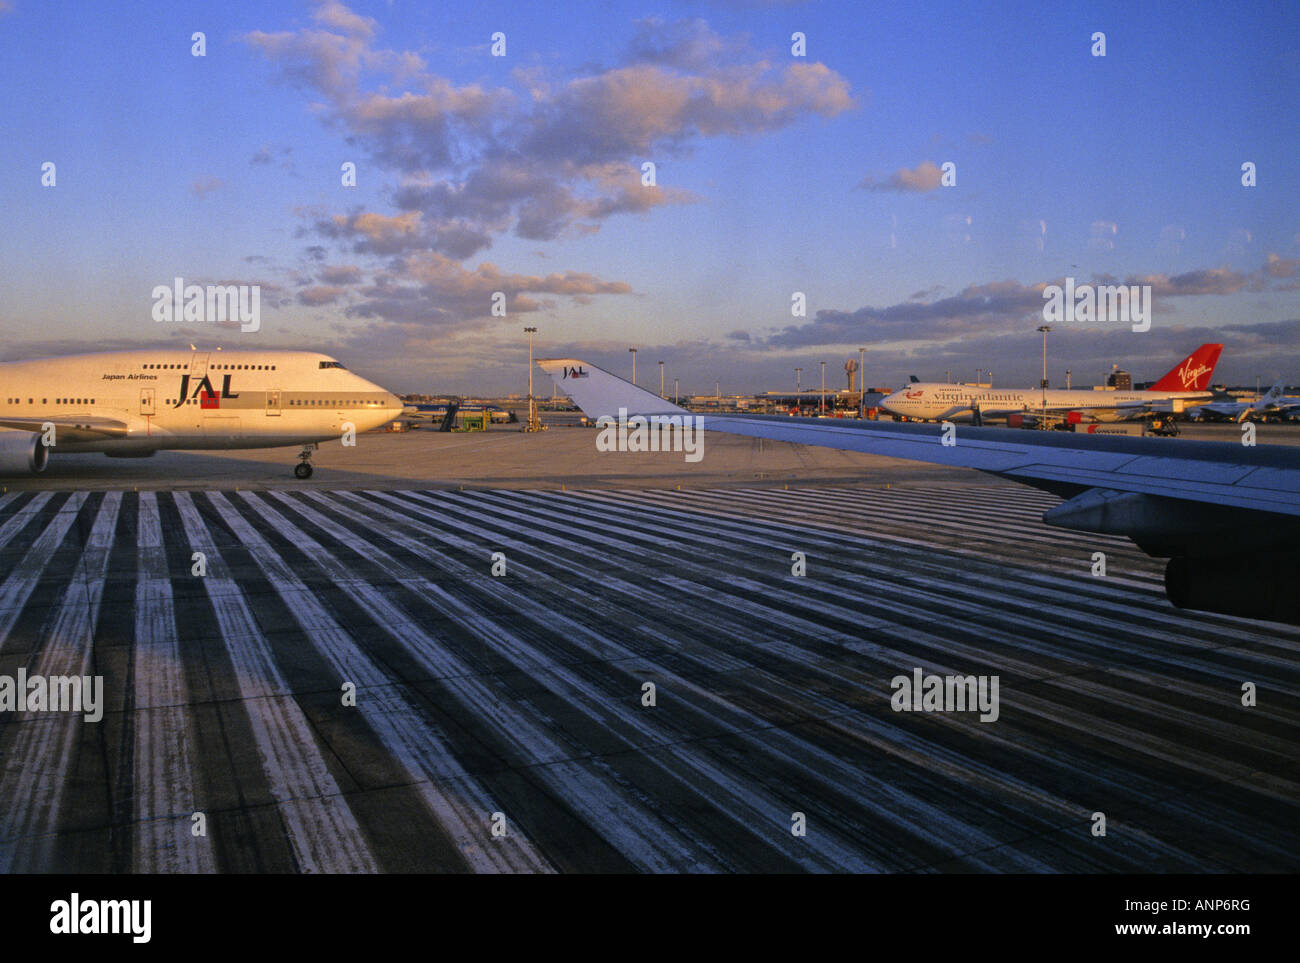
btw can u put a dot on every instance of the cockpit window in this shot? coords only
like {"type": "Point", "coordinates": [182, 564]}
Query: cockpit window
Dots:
{"type": "Point", "coordinates": [331, 364]}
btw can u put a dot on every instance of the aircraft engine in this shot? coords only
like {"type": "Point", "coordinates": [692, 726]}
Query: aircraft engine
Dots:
{"type": "Point", "coordinates": [1254, 586]}
{"type": "Point", "coordinates": [21, 452]}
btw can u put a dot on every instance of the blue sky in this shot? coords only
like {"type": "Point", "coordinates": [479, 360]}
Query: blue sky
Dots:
{"type": "Point", "coordinates": [775, 174]}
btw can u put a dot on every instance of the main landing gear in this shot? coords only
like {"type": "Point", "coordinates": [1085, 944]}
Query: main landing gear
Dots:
{"type": "Point", "coordinates": [303, 468]}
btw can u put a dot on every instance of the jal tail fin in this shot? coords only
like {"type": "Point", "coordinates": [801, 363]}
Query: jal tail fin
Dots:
{"type": "Point", "coordinates": [1194, 372]}
{"type": "Point", "coordinates": [599, 393]}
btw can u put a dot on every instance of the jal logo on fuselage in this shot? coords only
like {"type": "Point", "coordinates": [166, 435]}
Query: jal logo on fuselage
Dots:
{"type": "Point", "coordinates": [204, 391]}
{"type": "Point", "coordinates": [578, 372]}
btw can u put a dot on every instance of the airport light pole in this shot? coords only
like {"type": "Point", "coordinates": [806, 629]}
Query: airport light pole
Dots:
{"type": "Point", "coordinates": [661, 379]}
{"type": "Point", "coordinates": [676, 396]}
{"type": "Point", "coordinates": [532, 405]}
{"type": "Point", "coordinates": [1044, 328]}
{"type": "Point", "coordinates": [821, 407]}
{"type": "Point", "coordinates": [1067, 379]}
{"type": "Point", "coordinates": [633, 350]}
{"type": "Point", "coordinates": [862, 385]}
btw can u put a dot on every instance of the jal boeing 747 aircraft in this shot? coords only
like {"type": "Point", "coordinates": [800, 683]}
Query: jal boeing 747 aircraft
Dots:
{"type": "Point", "coordinates": [1187, 383]}
{"type": "Point", "coordinates": [130, 404]}
{"type": "Point", "coordinates": [1226, 516]}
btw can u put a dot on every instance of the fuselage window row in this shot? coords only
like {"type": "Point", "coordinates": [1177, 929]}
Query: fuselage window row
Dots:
{"type": "Point", "coordinates": [308, 402]}
{"type": "Point", "coordinates": [215, 367]}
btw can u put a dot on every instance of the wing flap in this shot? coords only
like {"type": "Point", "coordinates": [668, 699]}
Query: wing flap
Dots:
{"type": "Point", "coordinates": [71, 427]}
{"type": "Point", "coordinates": [1084, 461]}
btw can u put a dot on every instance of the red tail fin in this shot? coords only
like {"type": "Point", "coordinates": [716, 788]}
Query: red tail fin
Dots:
{"type": "Point", "coordinates": [1193, 373]}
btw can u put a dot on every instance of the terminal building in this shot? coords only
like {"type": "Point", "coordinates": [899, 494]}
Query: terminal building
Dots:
{"type": "Point", "coordinates": [1119, 380]}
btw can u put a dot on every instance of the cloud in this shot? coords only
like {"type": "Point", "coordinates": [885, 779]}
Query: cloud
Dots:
{"type": "Point", "coordinates": [372, 233]}
{"type": "Point", "coordinates": [924, 177]}
{"type": "Point", "coordinates": [206, 185]}
{"type": "Point", "coordinates": [974, 309]}
{"type": "Point", "coordinates": [993, 306]}
{"type": "Point", "coordinates": [1272, 348]}
{"type": "Point", "coordinates": [451, 292]}
{"type": "Point", "coordinates": [1204, 281]}
{"type": "Point", "coordinates": [636, 110]}
{"type": "Point", "coordinates": [426, 289]}
{"type": "Point", "coordinates": [420, 131]}
{"type": "Point", "coordinates": [341, 274]}
{"type": "Point", "coordinates": [541, 158]}
{"type": "Point", "coordinates": [1012, 352]}
{"type": "Point", "coordinates": [321, 294]}
{"type": "Point", "coordinates": [683, 44]}
{"type": "Point", "coordinates": [1282, 267]}
{"type": "Point", "coordinates": [334, 14]}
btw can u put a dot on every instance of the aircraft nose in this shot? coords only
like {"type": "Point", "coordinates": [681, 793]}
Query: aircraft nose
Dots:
{"type": "Point", "coordinates": [389, 400]}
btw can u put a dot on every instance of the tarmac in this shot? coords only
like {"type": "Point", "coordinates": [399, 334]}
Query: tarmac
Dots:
{"type": "Point", "coordinates": [506, 457]}
{"type": "Point", "coordinates": [572, 665]}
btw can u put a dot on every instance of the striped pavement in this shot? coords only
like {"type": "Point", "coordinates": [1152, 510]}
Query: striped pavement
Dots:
{"type": "Point", "coordinates": [349, 688]}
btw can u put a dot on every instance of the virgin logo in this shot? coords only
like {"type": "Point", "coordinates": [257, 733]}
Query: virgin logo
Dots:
{"type": "Point", "coordinates": [913, 394]}
{"type": "Point", "coordinates": [1189, 375]}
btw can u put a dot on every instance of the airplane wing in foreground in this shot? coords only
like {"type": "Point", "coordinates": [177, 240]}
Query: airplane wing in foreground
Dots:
{"type": "Point", "coordinates": [1225, 515]}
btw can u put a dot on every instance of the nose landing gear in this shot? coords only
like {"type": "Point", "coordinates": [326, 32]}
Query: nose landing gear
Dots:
{"type": "Point", "coordinates": [303, 469]}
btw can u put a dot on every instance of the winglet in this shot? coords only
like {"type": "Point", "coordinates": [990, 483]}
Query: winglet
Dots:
{"type": "Point", "coordinates": [597, 392]}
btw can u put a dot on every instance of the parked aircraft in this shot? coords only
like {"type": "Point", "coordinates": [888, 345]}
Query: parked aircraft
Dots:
{"type": "Point", "coordinates": [130, 404]}
{"type": "Point", "coordinates": [1272, 404]}
{"type": "Point", "coordinates": [1186, 383]}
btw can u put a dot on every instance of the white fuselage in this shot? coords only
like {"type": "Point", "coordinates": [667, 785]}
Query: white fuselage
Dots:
{"type": "Point", "coordinates": [938, 401]}
{"type": "Point", "coordinates": [1273, 404]}
{"type": "Point", "coordinates": [165, 399]}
